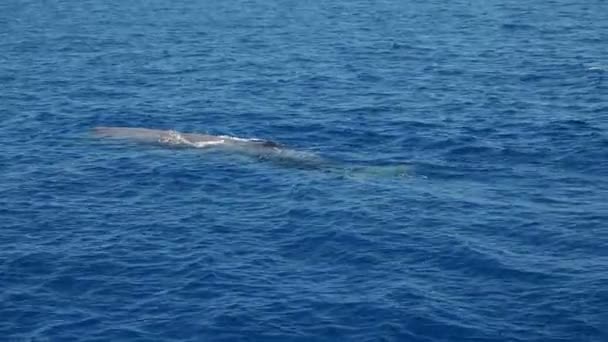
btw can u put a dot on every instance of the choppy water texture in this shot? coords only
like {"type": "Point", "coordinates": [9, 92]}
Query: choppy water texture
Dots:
{"type": "Point", "coordinates": [496, 231]}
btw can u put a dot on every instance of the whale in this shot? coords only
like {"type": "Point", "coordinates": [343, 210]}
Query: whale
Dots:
{"type": "Point", "coordinates": [260, 148]}
{"type": "Point", "coordinates": [253, 147]}
{"type": "Point", "coordinates": [175, 138]}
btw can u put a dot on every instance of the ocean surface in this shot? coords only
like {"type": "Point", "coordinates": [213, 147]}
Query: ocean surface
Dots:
{"type": "Point", "coordinates": [467, 198]}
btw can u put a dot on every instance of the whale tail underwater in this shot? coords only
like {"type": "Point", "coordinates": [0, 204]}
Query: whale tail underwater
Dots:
{"type": "Point", "coordinates": [259, 148]}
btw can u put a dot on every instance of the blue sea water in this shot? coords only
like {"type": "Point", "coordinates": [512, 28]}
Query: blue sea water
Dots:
{"type": "Point", "coordinates": [497, 230]}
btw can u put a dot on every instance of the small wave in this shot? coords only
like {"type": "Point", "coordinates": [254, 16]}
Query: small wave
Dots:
{"type": "Point", "coordinates": [596, 67]}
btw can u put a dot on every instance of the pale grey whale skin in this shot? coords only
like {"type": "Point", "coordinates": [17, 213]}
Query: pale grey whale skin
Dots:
{"type": "Point", "coordinates": [171, 137]}
{"type": "Point", "coordinates": [259, 148]}
{"type": "Point", "coordinates": [255, 147]}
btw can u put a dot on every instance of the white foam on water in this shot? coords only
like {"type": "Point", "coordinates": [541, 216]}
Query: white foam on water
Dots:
{"type": "Point", "coordinates": [204, 144]}
{"type": "Point", "coordinates": [173, 138]}
{"type": "Point", "coordinates": [228, 137]}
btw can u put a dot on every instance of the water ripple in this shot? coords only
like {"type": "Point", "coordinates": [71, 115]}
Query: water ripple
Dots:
{"type": "Point", "coordinates": [469, 201]}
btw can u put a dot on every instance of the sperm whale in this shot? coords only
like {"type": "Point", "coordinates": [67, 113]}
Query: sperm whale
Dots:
{"type": "Point", "coordinates": [259, 148]}
{"type": "Point", "coordinates": [171, 137]}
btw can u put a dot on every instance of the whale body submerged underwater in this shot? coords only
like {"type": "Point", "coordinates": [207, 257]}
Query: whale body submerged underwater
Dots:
{"type": "Point", "coordinates": [259, 148]}
{"type": "Point", "coordinates": [263, 149]}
